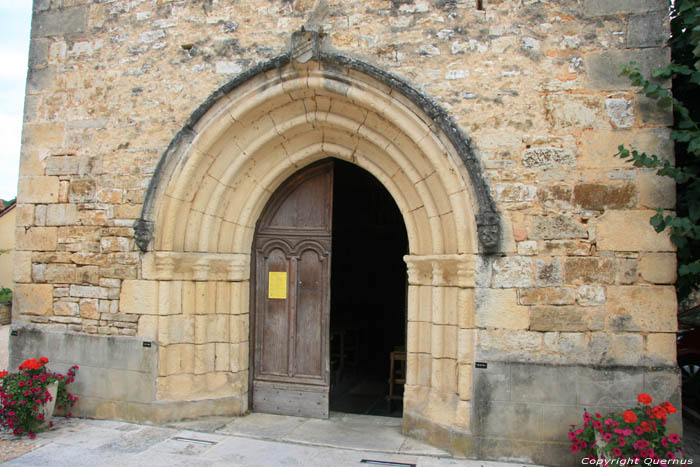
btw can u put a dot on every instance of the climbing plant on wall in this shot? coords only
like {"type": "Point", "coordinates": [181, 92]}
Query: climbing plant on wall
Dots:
{"type": "Point", "coordinates": [684, 72]}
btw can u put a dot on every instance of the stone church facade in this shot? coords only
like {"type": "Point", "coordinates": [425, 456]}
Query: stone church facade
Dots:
{"type": "Point", "coordinates": [157, 131]}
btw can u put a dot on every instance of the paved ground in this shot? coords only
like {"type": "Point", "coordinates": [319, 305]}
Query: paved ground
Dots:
{"type": "Point", "coordinates": [93, 443]}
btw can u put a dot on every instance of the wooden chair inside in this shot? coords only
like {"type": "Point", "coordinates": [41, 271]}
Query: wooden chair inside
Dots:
{"type": "Point", "coordinates": [397, 376]}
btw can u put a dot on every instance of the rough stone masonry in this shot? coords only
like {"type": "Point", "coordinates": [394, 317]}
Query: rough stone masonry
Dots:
{"type": "Point", "coordinates": [492, 123]}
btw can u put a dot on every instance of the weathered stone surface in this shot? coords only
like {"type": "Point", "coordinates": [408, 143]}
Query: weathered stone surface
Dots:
{"type": "Point", "coordinates": [589, 295]}
{"type": "Point", "coordinates": [567, 111]}
{"type": "Point", "coordinates": [547, 296]}
{"type": "Point", "coordinates": [648, 30]}
{"type": "Point", "coordinates": [38, 189]}
{"type": "Point", "coordinates": [548, 273]}
{"type": "Point", "coordinates": [36, 238]}
{"type": "Point", "coordinates": [650, 113]}
{"type": "Point", "coordinates": [658, 268]}
{"type": "Point", "coordinates": [603, 68]}
{"type": "Point", "coordinates": [582, 270]}
{"type": "Point", "coordinates": [621, 7]}
{"type": "Point", "coordinates": [512, 271]}
{"type": "Point", "coordinates": [620, 111]}
{"type": "Point", "coordinates": [548, 158]}
{"type": "Point", "coordinates": [500, 309]}
{"type": "Point", "coordinates": [640, 308]}
{"type": "Point", "coordinates": [614, 232]}
{"type": "Point", "coordinates": [59, 22]}
{"type": "Point", "coordinates": [566, 318]}
{"type": "Point", "coordinates": [139, 297]}
{"type": "Point", "coordinates": [556, 227]}
{"type": "Point", "coordinates": [600, 146]}
{"type": "Point", "coordinates": [656, 191]}
{"type": "Point", "coordinates": [33, 299]}
{"type": "Point", "coordinates": [660, 348]}
{"type": "Point", "coordinates": [598, 196]}
{"type": "Point", "coordinates": [527, 248]}
{"type": "Point", "coordinates": [514, 192]}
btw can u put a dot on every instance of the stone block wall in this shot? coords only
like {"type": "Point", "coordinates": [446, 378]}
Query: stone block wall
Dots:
{"type": "Point", "coordinates": [580, 278]}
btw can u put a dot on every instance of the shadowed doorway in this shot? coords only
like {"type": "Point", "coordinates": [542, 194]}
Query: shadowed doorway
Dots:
{"type": "Point", "coordinates": [368, 293]}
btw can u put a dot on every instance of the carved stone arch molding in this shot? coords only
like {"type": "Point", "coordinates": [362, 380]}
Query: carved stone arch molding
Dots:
{"type": "Point", "coordinates": [215, 178]}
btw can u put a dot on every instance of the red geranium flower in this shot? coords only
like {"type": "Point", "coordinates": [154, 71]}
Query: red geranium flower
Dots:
{"type": "Point", "coordinates": [629, 417]}
{"type": "Point", "coordinates": [644, 398]}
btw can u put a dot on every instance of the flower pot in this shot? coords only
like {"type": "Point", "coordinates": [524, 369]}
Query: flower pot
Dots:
{"type": "Point", "coordinates": [46, 409]}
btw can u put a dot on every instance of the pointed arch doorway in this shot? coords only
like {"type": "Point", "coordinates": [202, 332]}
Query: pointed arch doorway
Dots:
{"type": "Point", "coordinates": [329, 294]}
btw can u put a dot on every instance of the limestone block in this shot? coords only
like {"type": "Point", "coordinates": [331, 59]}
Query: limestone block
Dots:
{"type": "Point", "coordinates": [599, 146]}
{"type": "Point", "coordinates": [60, 22]}
{"type": "Point", "coordinates": [566, 318]}
{"type": "Point", "coordinates": [189, 295]}
{"type": "Point", "coordinates": [648, 30]}
{"type": "Point", "coordinates": [589, 270]}
{"type": "Point", "coordinates": [548, 158]}
{"type": "Point", "coordinates": [443, 341]}
{"type": "Point", "coordinates": [574, 111]}
{"type": "Point", "coordinates": [62, 308]}
{"type": "Point", "coordinates": [464, 384]}
{"type": "Point", "coordinates": [630, 231]}
{"type": "Point", "coordinates": [176, 329]}
{"type": "Point", "coordinates": [465, 346]}
{"type": "Point", "coordinates": [603, 67]}
{"type": "Point", "coordinates": [33, 299]}
{"type": "Point", "coordinates": [565, 343]}
{"type": "Point", "coordinates": [418, 369]}
{"type": "Point", "coordinates": [37, 189]}
{"type": "Point", "coordinates": [650, 113]}
{"type": "Point", "coordinates": [418, 337]}
{"type": "Point", "coordinates": [626, 349]}
{"type": "Point", "coordinates": [204, 358]}
{"type": "Point", "coordinates": [641, 308]}
{"type": "Point", "coordinates": [22, 268]}
{"type": "Point", "coordinates": [169, 297]}
{"type": "Point", "coordinates": [61, 214]}
{"type": "Point", "coordinates": [148, 327]}
{"type": "Point", "coordinates": [507, 340]}
{"type": "Point", "coordinates": [465, 308]}
{"type": "Point", "coordinates": [547, 296]}
{"type": "Point", "coordinates": [660, 348]}
{"type": "Point", "coordinates": [599, 196]}
{"type": "Point", "coordinates": [512, 271]}
{"type": "Point", "coordinates": [139, 297]}
{"type": "Point", "coordinates": [211, 328]}
{"type": "Point", "coordinates": [89, 308]}
{"type": "Point", "coordinates": [621, 7]}
{"type": "Point", "coordinates": [499, 309]}
{"type": "Point", "coordinates": [527, 248]}
{"type": "Point", "coordinates": [25, 215]}
{"type": "Point", "coordinates": [556, 227]}
{"type": "Point", "coordinates": [239, 325]}
{"type": "Point", "coordinates": [36, 238]}
{"type": "Point", "coordinates": [548, 273]}
{"type": "Point", "coordinates": [626, 271]}
{"type": "Point", "coordinates": [620, 112]}
{"type": "Point", "coordinates": [515, 192]}
{"type": "Point", "coordinates": [223, 361]}
{"type": "Point", "coordinates": [38, 139]}
{"type": "Point", "coordinates": [590, 295]}
{"type": "Point", "coordinates": [443, 375]}
{"type": "Point", "coordinates": [656, 191]}
{"type": "Point", "coordinates": [658, 268]}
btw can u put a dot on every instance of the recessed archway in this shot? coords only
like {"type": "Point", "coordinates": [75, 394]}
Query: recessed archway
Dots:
{"type": "Point", "coordinates": [218, 174]}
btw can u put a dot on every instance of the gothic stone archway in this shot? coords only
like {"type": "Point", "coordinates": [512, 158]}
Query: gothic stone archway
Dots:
{"type": "Point", "coordinates": [211, 186]}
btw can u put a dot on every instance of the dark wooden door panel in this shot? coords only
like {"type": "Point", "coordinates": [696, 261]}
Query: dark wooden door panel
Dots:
{"type": "Point", "coordinates": [310, 325]}
{"type": "Point", "coordinates": [292, 296]}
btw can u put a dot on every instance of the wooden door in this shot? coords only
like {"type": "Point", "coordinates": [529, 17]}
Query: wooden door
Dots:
{"type": "Point", "coordinates": [292, 297]}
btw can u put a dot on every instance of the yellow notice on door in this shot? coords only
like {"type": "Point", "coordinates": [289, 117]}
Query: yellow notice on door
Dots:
{"type": "Point", "coordinates": [277, 285]}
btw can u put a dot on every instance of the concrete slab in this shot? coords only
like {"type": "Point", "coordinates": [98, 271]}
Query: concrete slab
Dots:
{"type": "Point", "coordinates": [93, 443]}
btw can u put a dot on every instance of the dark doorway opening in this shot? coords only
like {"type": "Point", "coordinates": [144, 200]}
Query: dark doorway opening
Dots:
{"type": "Point", "coordinates": [368, 294]}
